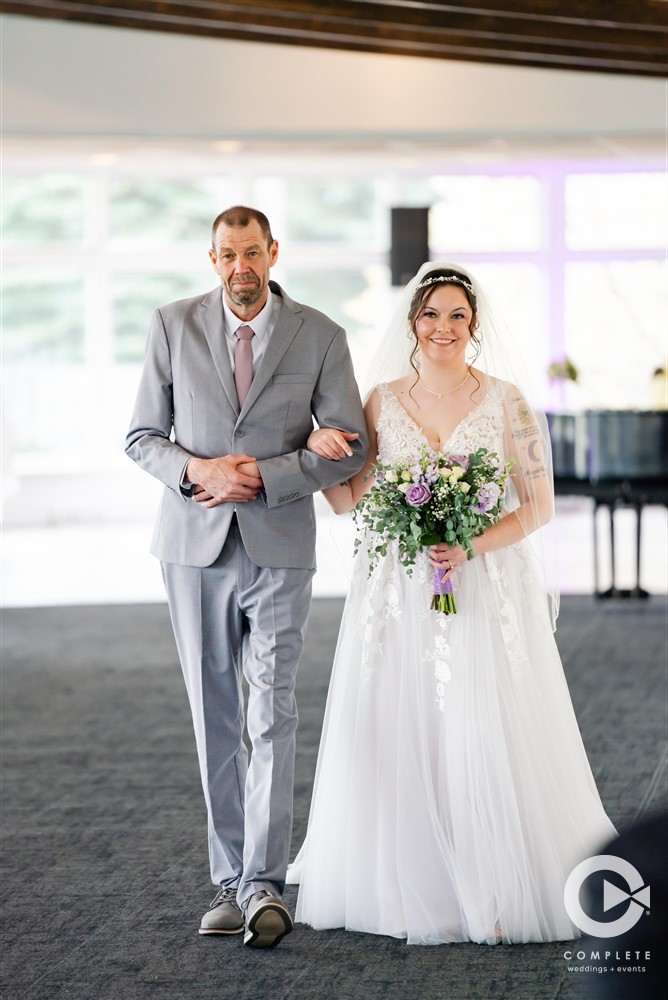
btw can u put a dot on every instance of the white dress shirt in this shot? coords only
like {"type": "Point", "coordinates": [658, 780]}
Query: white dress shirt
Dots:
{"type": "Point", "coordinates": [262, 326]}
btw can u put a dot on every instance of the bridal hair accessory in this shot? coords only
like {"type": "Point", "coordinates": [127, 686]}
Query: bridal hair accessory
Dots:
{"type": "Point", "coordinates": [452, 278]}
{"type": "Point", "coordinates": [447, 391]}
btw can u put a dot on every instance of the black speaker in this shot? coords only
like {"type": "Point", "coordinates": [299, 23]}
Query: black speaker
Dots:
{"type": "Point", "coordinates": [409, 247]}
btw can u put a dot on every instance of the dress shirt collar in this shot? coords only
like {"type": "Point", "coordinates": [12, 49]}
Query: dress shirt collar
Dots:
{"type": "Point", "coordinates": [259, 323]}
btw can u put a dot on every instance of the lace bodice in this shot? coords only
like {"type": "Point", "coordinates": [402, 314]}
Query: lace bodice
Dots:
{"type": "Point", "coordinates": [399, 437]}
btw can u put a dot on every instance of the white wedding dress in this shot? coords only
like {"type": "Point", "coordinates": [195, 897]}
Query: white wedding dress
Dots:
{"type": "Point", "coordinates": [453, 795]}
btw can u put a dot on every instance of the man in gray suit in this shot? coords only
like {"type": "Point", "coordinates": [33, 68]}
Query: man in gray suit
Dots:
{"type": "Point", "coordinates": [231, 384]}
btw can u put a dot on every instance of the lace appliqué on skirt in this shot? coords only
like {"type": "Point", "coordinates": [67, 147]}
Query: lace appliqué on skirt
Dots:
{"type": "Point", "coordinates": [379, 603]}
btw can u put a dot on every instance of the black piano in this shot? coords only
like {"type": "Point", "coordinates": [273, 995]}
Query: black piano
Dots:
{"type": "Point", "coordinates": [618, 458]}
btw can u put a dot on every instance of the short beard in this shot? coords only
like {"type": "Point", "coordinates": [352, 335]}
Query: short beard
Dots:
{"type": "Point", "coordinates": [246, 298]}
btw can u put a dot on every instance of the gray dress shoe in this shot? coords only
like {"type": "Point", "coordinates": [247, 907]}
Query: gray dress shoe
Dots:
{"type": "Point", "coordinates": [223, 915]}
{"type": "Point", "coordinates": [268, 920]}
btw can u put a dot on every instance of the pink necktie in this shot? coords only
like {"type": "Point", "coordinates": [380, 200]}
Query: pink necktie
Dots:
{"type": "Point", "coordinates": [243, 363]}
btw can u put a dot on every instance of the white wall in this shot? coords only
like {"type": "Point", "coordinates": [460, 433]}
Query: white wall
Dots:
{"type": "Point", "coordinates": [73, 79]}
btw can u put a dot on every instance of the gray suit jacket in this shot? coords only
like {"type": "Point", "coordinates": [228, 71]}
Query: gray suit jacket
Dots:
{"type": "Point", "coordinates": [187, 405]}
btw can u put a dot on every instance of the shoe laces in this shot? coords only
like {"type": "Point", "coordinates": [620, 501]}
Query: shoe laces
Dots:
{"type": "Point", "coordinates": [224, 895]}
{"type": "Point", "coordinates": [260, 894]}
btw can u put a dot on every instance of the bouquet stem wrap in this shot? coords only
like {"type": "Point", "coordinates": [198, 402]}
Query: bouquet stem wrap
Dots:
{"type": "Point", "coordinates": [443, 599]}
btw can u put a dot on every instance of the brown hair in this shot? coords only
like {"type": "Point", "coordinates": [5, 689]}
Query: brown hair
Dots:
{"type": "Point", "coordinates": [238, 217]}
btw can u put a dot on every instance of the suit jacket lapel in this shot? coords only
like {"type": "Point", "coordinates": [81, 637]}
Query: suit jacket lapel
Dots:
{"type": "Point", "coordinates": [213, 324]}
{"type": "Point", "coordinates": [285, 331]}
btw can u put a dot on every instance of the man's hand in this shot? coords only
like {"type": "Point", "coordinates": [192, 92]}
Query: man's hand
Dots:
{"type": "Point", "coordinates": [227, 479]}
{"type": "Point", "coordinates": [250, 469]}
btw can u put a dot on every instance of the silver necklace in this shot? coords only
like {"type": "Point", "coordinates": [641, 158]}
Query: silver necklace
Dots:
{"type": "Point", "coordinates": [448, 391]}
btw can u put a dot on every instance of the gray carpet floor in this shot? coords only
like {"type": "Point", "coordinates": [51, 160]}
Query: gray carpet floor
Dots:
{"type": "Point", "coordinates": [104, 857]}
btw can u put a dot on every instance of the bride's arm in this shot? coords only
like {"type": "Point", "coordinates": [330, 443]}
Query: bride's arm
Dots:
{"type": "Point", "coordinates": [331, 443]}
{"type": "Point", "coordinates": [525, 445]}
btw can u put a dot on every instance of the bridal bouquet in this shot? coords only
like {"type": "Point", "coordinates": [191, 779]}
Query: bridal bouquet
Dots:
{"type": "Point", "coordinates": [433, 498]}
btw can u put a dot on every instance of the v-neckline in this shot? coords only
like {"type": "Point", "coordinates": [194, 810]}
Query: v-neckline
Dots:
{"type": "Point", "coordinates": [442, 450]}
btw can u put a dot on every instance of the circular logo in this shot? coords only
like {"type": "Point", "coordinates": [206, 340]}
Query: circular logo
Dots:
{"type": "Point", "coordinates": [637, 896]}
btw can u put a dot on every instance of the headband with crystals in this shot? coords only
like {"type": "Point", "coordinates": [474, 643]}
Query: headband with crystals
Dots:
{"type": "Point", "coordinates": [449, 278]}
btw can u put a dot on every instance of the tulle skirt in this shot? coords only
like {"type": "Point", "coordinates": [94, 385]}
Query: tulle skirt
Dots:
{"type": "Point", "coordinates": [453, 795]}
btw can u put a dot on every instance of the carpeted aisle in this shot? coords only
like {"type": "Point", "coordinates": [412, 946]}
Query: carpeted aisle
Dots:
{"type": "Point", "coordinates": [104, 859]}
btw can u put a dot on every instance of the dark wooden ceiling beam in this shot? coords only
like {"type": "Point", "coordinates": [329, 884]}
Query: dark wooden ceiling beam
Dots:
{"type": "Point", "coordinates": [354, 15]}
{"type": "Point", "coordinates": [622, 37]}
{"type": "Point", "coordinates": [622, 12]}
{"type": "Point", "coordinates": [642, 16]}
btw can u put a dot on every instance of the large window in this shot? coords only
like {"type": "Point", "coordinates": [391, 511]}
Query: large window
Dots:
{"type": "Point", "coordinates": [615, 315]}
{"type": "Point", "coordinates": [573, 252]}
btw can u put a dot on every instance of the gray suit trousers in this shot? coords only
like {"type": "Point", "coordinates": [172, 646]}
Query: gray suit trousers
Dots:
{"type": "Point", "coordinates": [230, 618]}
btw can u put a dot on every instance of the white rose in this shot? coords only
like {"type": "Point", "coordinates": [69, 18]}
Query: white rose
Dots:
{"type": "Point", "coordinates": [464, 487]}
{"type": "Point", "coordinates": [391, 476]}
{"type": "Point", "coordinates": [456, 472]}
{"type": "Point", "coordinates": [403, 487]}
{"type": "Point", "coordinates": [406, 476]}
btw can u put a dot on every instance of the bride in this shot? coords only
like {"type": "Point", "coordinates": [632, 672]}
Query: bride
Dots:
{"type": "Point", "coordinates": [453, 795]}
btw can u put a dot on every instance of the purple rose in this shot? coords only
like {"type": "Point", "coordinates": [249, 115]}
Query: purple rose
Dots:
{"type": "Point", "coordinates": [418, 494]}
{"type": "Point", "coordinates": [486, 498]}
{"type": "Point", "coordinates": [460, 460]}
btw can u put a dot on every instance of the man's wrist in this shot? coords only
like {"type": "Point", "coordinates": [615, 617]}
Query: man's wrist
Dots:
{"type": "Point", "coordinates": [191, 471]}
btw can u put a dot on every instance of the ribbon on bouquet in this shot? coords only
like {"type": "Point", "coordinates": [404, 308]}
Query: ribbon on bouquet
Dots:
{"type": "Point", "coordinates": [443, 600]}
